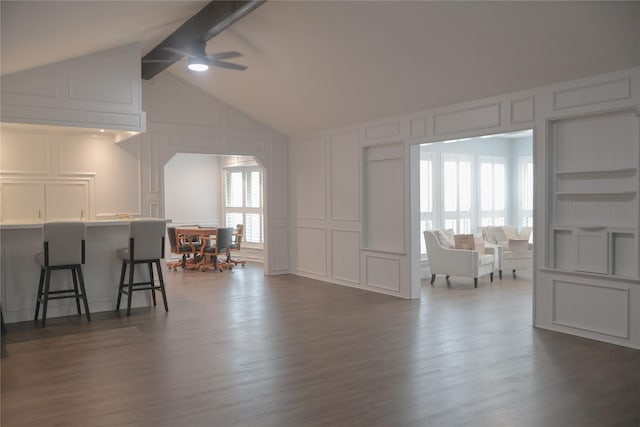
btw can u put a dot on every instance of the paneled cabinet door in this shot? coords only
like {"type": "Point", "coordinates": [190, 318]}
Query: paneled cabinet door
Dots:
{"type": "Point", "coordinates": [22, 201]}
{"type": "Point", "coordinates": [592, 248]}
{"type": "Point", "coordinates": [67, 200]}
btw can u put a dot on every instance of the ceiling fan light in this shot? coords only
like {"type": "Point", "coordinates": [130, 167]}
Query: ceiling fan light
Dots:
{"type": "Point", "coordinates": [197, 64]}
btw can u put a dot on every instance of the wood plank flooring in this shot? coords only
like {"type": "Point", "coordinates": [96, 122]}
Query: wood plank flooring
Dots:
{"type": "Point", "coordinates": [241, 349]}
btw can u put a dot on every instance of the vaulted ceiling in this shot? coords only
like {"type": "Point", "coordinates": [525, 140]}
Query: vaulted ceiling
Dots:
{"type": "Point", "coordinates": [315, 65]}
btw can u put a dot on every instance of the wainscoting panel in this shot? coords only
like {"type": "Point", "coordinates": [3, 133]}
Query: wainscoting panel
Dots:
{"type": "Point", "coordinates": [308, 178]}
{"type": "Point", "coordinates": [385, 199]}
{"type": "Point", "coordinates": [523, 110]}
{"type": "Point", "coordinates": [279, 246]}
{"type": "Point", "coordinates": [382, 272]}
{"type": "Point", "coordinates": [482, 117]}
{"type": "Point", "coordinates": [418, 128]}
{"type": "Point", "coordinates": [277, 180]}
{"type": "Point", "coordinates": [25, 152]}
{"type": "Point", "coordinates": [595, 308]}
{"type": "Point", "coordinates": [197, 143]}
{"type": "Point", "coordinates": [345, 176]}
{"type": "Point", "coordinates": [345, 249]}
{"type": "Point", "coordinates": [310, 251]}
{"type": "Point", "coordinates": [239, 145]}
{"type": "Point", "coordinates": [592, 94]}
{"type": "Point", "coordinates": [379, 131]}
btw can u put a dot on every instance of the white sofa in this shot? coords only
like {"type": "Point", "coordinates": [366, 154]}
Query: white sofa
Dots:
{"type": "Point", "coordinates": [445, 259]}
{"type": "Point", "coordinates": [514, 252]}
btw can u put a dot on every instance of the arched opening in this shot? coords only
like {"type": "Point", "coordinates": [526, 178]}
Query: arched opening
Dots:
{"type": "Point", "coordinates": [213, 190]}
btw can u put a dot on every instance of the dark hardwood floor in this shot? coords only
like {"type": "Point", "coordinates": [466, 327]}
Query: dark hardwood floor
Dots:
{"type": "Point", "coordinates": [241, 349]}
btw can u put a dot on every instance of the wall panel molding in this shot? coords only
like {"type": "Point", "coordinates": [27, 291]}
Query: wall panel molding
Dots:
{"type": "Point", "coordinates": [590, 307]}
{"type": "Point", "coordinates": [345, 249]}
{"type": "Point", "coordinates": [595, 93]}
{"type": "Point", "coordinates": [469, 119]}
{"type": "Point", "coordinates": [382, 272]}
{"type": "Point", "coordinates": [378, 131]}
{"type": "Point", "coordinates": [523, 110]}
{"type": "Point", "coordinates": [25, 153]}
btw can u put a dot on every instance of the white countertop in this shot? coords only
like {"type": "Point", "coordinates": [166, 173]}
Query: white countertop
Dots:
{"type": "Point", "coordinates": [38, 224]}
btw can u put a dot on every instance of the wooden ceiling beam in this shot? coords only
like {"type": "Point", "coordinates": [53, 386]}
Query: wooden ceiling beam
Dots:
{"type": "Point", "coordinates": [214, 18]}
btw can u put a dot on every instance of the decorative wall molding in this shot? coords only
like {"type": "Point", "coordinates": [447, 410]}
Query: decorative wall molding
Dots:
{"type": "Point", "coordinates": [100, 90]}
{"type": "Point", "coordinates": [379, 131]}
{"type": "Point", "coordinates": [345, 247]}
{"type": "Point", "coordinates": [468, 119]}
{"type": "Point", "coordinates": [344, 174]}
{"type": "Point", "coordinates": [602, 309]}
{"type": "Point", "coordinates": [311, 259]}
{"type": "Point", "coordinates": [418, 128]}
{"type": "Point", "coordinates": [25, 153]}
{"type": "Point", "coordinates": [382, 272]}
{"type": "Point", "coordinates": [523, 110]}
{"type": "Point", "coordinates": [595, 93]}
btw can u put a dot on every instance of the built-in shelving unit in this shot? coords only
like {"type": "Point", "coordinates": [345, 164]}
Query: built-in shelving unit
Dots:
{"type": "Point", "coordinates": [595, 205]}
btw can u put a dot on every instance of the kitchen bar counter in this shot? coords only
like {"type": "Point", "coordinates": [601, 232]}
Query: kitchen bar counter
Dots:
{"type": "Point", "coordinates": [19, 276]}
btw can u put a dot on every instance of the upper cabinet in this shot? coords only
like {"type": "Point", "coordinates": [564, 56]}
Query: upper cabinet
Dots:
{"type": "Point", "coordinates": [101, 90]}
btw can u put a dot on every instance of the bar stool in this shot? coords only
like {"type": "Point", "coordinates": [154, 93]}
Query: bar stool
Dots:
{"type": "Point", "coordinates": [64, 249]}
{"type": "Point", "coordinates": [146, 246]}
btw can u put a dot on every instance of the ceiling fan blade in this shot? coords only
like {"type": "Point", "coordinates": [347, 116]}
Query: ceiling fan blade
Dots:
{"type": "Point", "coordinates": [223, 55]}
{"type": "Point", "coordinates": [228, 65]}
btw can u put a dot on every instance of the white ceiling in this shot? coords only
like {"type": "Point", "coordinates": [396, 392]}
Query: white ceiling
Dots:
{"type": "Point", "coordinates": [319, 65]}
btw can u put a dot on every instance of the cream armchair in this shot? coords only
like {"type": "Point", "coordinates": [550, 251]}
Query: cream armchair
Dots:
{"type": "Point", "coordinates": [457, 262]}
{"type": "Point", "coordinates": [514, 252]}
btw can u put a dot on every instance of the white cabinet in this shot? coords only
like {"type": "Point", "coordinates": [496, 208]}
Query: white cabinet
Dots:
{"type": "Point", "coordinates": [595, 207]}
{"type": "Point", "coordinates": [25, 200]}
{"type": "Point", "coordinates": [22, 201]}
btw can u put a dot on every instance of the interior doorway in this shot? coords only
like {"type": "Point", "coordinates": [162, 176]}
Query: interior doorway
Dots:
{"type": "Point", "coordinates": [210, 190]}
{"type": "Point", "coordinates": [478, 185]}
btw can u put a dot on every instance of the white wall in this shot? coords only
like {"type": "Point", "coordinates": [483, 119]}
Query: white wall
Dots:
{"type": "Point", "coordinates": [333, 189]}
{"type": "Point", "coordinates": [193, 189]}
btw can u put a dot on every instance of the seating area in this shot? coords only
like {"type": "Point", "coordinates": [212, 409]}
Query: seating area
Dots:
{"type": "Point", "coordinates": [445, 259]}
{"type": "Point", "coordinates": [515, 252]}
{"type": "Point", "coordinates": [494, 248]}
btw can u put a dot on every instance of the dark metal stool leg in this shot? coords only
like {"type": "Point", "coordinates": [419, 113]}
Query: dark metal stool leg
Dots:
{"type": "Point", "coordinates": [130, 291]}
{"type": "Point", "coordinates": [121, 285]}
{"type": "Point", "coordinates": [75, 290]}
{"type": "Point", "coordinates": [40, 286]}
{"type": "Point", "coordinates": [161, 279]}
{"type": "Point", "coordinates": [45, 301]}
{"type": "Point", "coordinates": [151, 282]}
{"type": "Point", "coordinates": [84, 292]}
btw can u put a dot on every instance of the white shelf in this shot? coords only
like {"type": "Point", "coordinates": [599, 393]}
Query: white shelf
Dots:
{"type": "Point", "coordinates": [593, 275]}
{"type": "Point", "coordinates": [602, 172]}
{"type": "Point", "coordinates": [595, 194]}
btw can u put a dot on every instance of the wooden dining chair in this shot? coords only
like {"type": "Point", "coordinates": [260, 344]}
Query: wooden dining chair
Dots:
{"type": "Point", "coordinates": [214, 251]}
{"type": "Point", "coordinates": [187, 246]}
{"type": "Point", "coordinates": [236, 245]}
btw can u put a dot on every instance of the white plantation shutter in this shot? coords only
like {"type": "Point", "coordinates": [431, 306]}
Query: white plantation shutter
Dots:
{"type": "Point", "coordinates": [243, 202]}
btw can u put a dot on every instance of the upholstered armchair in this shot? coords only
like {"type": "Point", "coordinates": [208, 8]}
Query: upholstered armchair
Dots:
{"type": "Point", "coordinates": [514, 252]}
{"type": "Point", "coordinates": [445, 259]}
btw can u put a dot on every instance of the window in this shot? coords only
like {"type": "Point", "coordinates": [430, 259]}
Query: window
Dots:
{"type": "Point", "coordinates": [456, 175]}
{"type": "Point", "coordinates": [492, 190]}
{"type": "Point", "coordinates": [243, 202]}
{"type": "Point", "coordinates": [525, 178]}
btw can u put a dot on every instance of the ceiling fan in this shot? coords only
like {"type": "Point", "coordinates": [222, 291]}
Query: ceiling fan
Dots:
{"type": "Point", "coordinates": [199, 60]}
